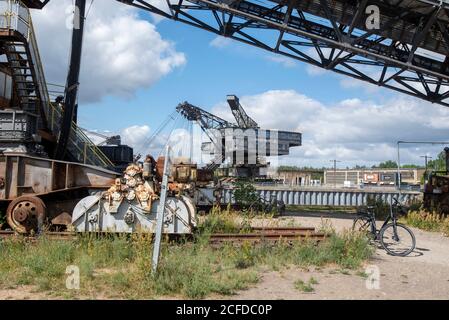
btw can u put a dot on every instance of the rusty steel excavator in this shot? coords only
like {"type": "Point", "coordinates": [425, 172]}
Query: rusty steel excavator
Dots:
{"type": "Point", "coordinates": [49, 166]}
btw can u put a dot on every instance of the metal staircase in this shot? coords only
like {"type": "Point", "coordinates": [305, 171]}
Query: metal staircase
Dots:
{"type": "Point", "coordinates": [18, 40]}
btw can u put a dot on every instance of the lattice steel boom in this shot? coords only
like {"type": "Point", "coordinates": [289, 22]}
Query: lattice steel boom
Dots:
{"type": "Point", "coordinates": [409, 53]}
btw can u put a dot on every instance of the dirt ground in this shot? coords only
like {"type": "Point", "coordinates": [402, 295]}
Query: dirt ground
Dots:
{"type": "Point", "coordinates": [422, 275]}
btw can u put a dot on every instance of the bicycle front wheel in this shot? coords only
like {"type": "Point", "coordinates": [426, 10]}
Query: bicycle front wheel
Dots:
{"type": "Point", "coordinates": [398, 240]}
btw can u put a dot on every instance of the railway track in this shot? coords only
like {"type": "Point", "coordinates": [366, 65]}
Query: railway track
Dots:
{"type": "Point", "coordinates": [256, 234]}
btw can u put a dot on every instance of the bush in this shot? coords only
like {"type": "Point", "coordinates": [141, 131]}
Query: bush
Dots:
{"type": "Point", "coordinates": [428, 221]}
{"type": "Point", "coordinates": [245, 194]}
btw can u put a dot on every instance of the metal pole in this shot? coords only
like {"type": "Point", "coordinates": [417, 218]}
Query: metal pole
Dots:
{"type": "Point", "coordinates": [160, 214]}
{"type": "Point", "coordinates": [399, 169]}
{"type": "Point", "coordinates": [71, 89]}
{"type": "Point", "coordinates": [426, 158]}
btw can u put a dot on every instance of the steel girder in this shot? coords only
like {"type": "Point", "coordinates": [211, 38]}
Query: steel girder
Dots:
{"type": "Point", "coordinates": [392, 57]}
{"type": "Point", "coordinates": [206, 119]}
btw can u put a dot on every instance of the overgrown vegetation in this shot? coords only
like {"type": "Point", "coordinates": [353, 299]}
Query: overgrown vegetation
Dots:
{"type": "Point", "coordinates": [306, 286]}
{"type": "Point", "coordinates": [119, 267]}
{"type": "Point", "coordinates": [428, 221]}
{"type": "Point", "coordinates": [311, 209]}
{"type": "Point", "coordinates": [245, 194]}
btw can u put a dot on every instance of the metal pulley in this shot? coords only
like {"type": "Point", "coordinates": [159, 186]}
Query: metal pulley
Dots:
{"type": "Point", "coordinates": [26, 214]}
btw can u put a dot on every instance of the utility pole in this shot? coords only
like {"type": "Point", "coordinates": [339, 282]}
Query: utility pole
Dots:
{"type": "Point", "coordinates": [335, 171]}
{"type": "Point", "coordinates": [426, 157]}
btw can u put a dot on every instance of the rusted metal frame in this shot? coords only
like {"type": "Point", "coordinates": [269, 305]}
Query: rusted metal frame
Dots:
{"type": "Point", "coordinates": [418, 93]}
{"type": "Point", "coordinates": [398, 89]}
{"type": "Point", "coordinates": [445, 34]}
{"type": "Point", "coordinates": [419, 36]}
{"type": "Point", "coordinates": [177, 9]}
{"type": "Point", "coordinates": [300, 58]}
{"type": "Point", "coordinates": [367, 34]}
{"type": "Point", "coordinates": [267, 12]}
{"type": "Point", "coordinates": [319, 51]}
{"type": "Point", "coordinates": [429, 81]}
{"type": "Point", "coordinates": [299, 32]}
{"type": "Point", "coordinates": [8, 173]}
{"type": "Point", "coordinates": [217, 19]}
{"type": "Point", "coordinates": [361, 74]}
{"type": "Point", "coordinates": [147, 6]}
{"type": "Point", "coordinates": [228, 23]}
{"type": "Point", "coordinates": [170, 8]}
{"type": "Point", "coordinates": [437, 89]}
{"type": "Point", "coordinates": [286, 19]}
{"type": "Point", "coordinates": [53, 176]}
{"type": "Point", "coordinates": [445, 95]}
{"type": "Point", "coordinates": [327, 12]}
{"type": "Point", "coordinates": [196, 22]}
{"type": "Point", "coordinates": [356, 18]}
{"type": "Point", "coordinates": [388, 62]}
{"type": "Point", "coordinates": [67, 172]}
{"type": "Point", "coordinates": [332, 63]}
{"type": "Point", "coordinates": [305, 57]}
{"type": "Point", "coordinates": [39, 100]}
{"type": "Point", "coordinates": [255, 41]}
{"type": "Point", "coordinates": [365, 62]}
{"type": "Point", "coordinates": [314, 41]}
{"type": "Point", "coordinates": [337, 61]}
{"type": "Point", "coordinates": [382, 75]}
{"type": "Point", "coordinates": [18, 173]}
{"type": "Point", "coordinates": [423, 83]}
{"type": "Point", "coordinates": [392, 77]}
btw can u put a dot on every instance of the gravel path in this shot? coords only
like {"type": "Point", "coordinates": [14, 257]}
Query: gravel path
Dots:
{"type": "Point", "coordinates": [422, 275]}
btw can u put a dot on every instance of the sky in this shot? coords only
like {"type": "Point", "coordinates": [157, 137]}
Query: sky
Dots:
{"type": "Point", "coordinates": [137, 68]}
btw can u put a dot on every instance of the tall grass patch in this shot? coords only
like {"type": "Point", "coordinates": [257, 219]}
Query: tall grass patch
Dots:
{"type": "Point", "coordinates": [428, 221]}
{"type": "Point", "coordinates": [120, 267]}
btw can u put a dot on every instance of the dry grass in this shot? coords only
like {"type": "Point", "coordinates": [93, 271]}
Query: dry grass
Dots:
{"type": "Point", "coordinates": [119, 267]}
{"type": "Point", "coordinates": [428, 221]}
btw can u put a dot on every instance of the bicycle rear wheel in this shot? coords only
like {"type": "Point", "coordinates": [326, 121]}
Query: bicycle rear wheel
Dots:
{"type": "Point", "coordinates": [398, 240]}
{"type": "Point", "coordinates": [361, 224]}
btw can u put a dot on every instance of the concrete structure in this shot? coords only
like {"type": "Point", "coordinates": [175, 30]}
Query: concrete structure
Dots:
{"type": "Point", "coordinates": [308, 196]}
{"type": "Point", "coordinates": [375, 177]}
{"type": "Point", "coordinates": [298, 177]}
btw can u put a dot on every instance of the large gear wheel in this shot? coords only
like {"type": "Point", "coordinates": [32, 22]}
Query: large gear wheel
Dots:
{"type": "Point", "coordinates": [26, 214]}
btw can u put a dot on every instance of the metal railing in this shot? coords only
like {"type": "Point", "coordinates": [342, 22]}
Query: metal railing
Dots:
{"type": "Point", "coordinates": [14, 15]}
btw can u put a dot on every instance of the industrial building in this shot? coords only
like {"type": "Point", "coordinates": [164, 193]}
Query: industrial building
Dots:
{"type": "Point", "coordinates": [298, 177]}
{"type": "Point", "coordinates": [371, 177]}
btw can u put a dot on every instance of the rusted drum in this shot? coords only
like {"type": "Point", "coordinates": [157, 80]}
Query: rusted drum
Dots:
{"type": "Point", "coordinates": [26, 214]}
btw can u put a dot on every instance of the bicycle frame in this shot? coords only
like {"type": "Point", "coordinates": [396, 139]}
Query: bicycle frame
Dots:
{"type": "Point", "coordinates": [373, 223]}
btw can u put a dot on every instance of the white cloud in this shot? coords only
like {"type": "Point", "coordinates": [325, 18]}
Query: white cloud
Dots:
{"type": "Point", "coordinates": [353, 131]}
{"type": "Point", "coordinates": [220, 42]}
{"type": "Point", "coordinates": [315, 71]}
{"type": "Point", "coordinates": [121, 52]}
{"type": "Point", "coordinates": [135, 136]}
{"type": "Point", "coordinates": [283, 60]}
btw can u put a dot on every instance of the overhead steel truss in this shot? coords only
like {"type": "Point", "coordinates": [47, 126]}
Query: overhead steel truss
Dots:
{"type": "Point", "coordinates": [409, 53]}
{"type": "Point", "coordinates": [205, 119]}
{"type": "Point", "coordinates": [243, 120]}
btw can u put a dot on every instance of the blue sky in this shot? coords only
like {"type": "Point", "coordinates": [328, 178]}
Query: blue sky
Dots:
{"type": "Point", "coordinates": [209, 75]}
{"type": "Point", "coordinates": [339, 117]}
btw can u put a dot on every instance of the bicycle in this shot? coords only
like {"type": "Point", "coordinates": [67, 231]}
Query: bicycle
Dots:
{"type": "Point", "coordinates": [396, 238]}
